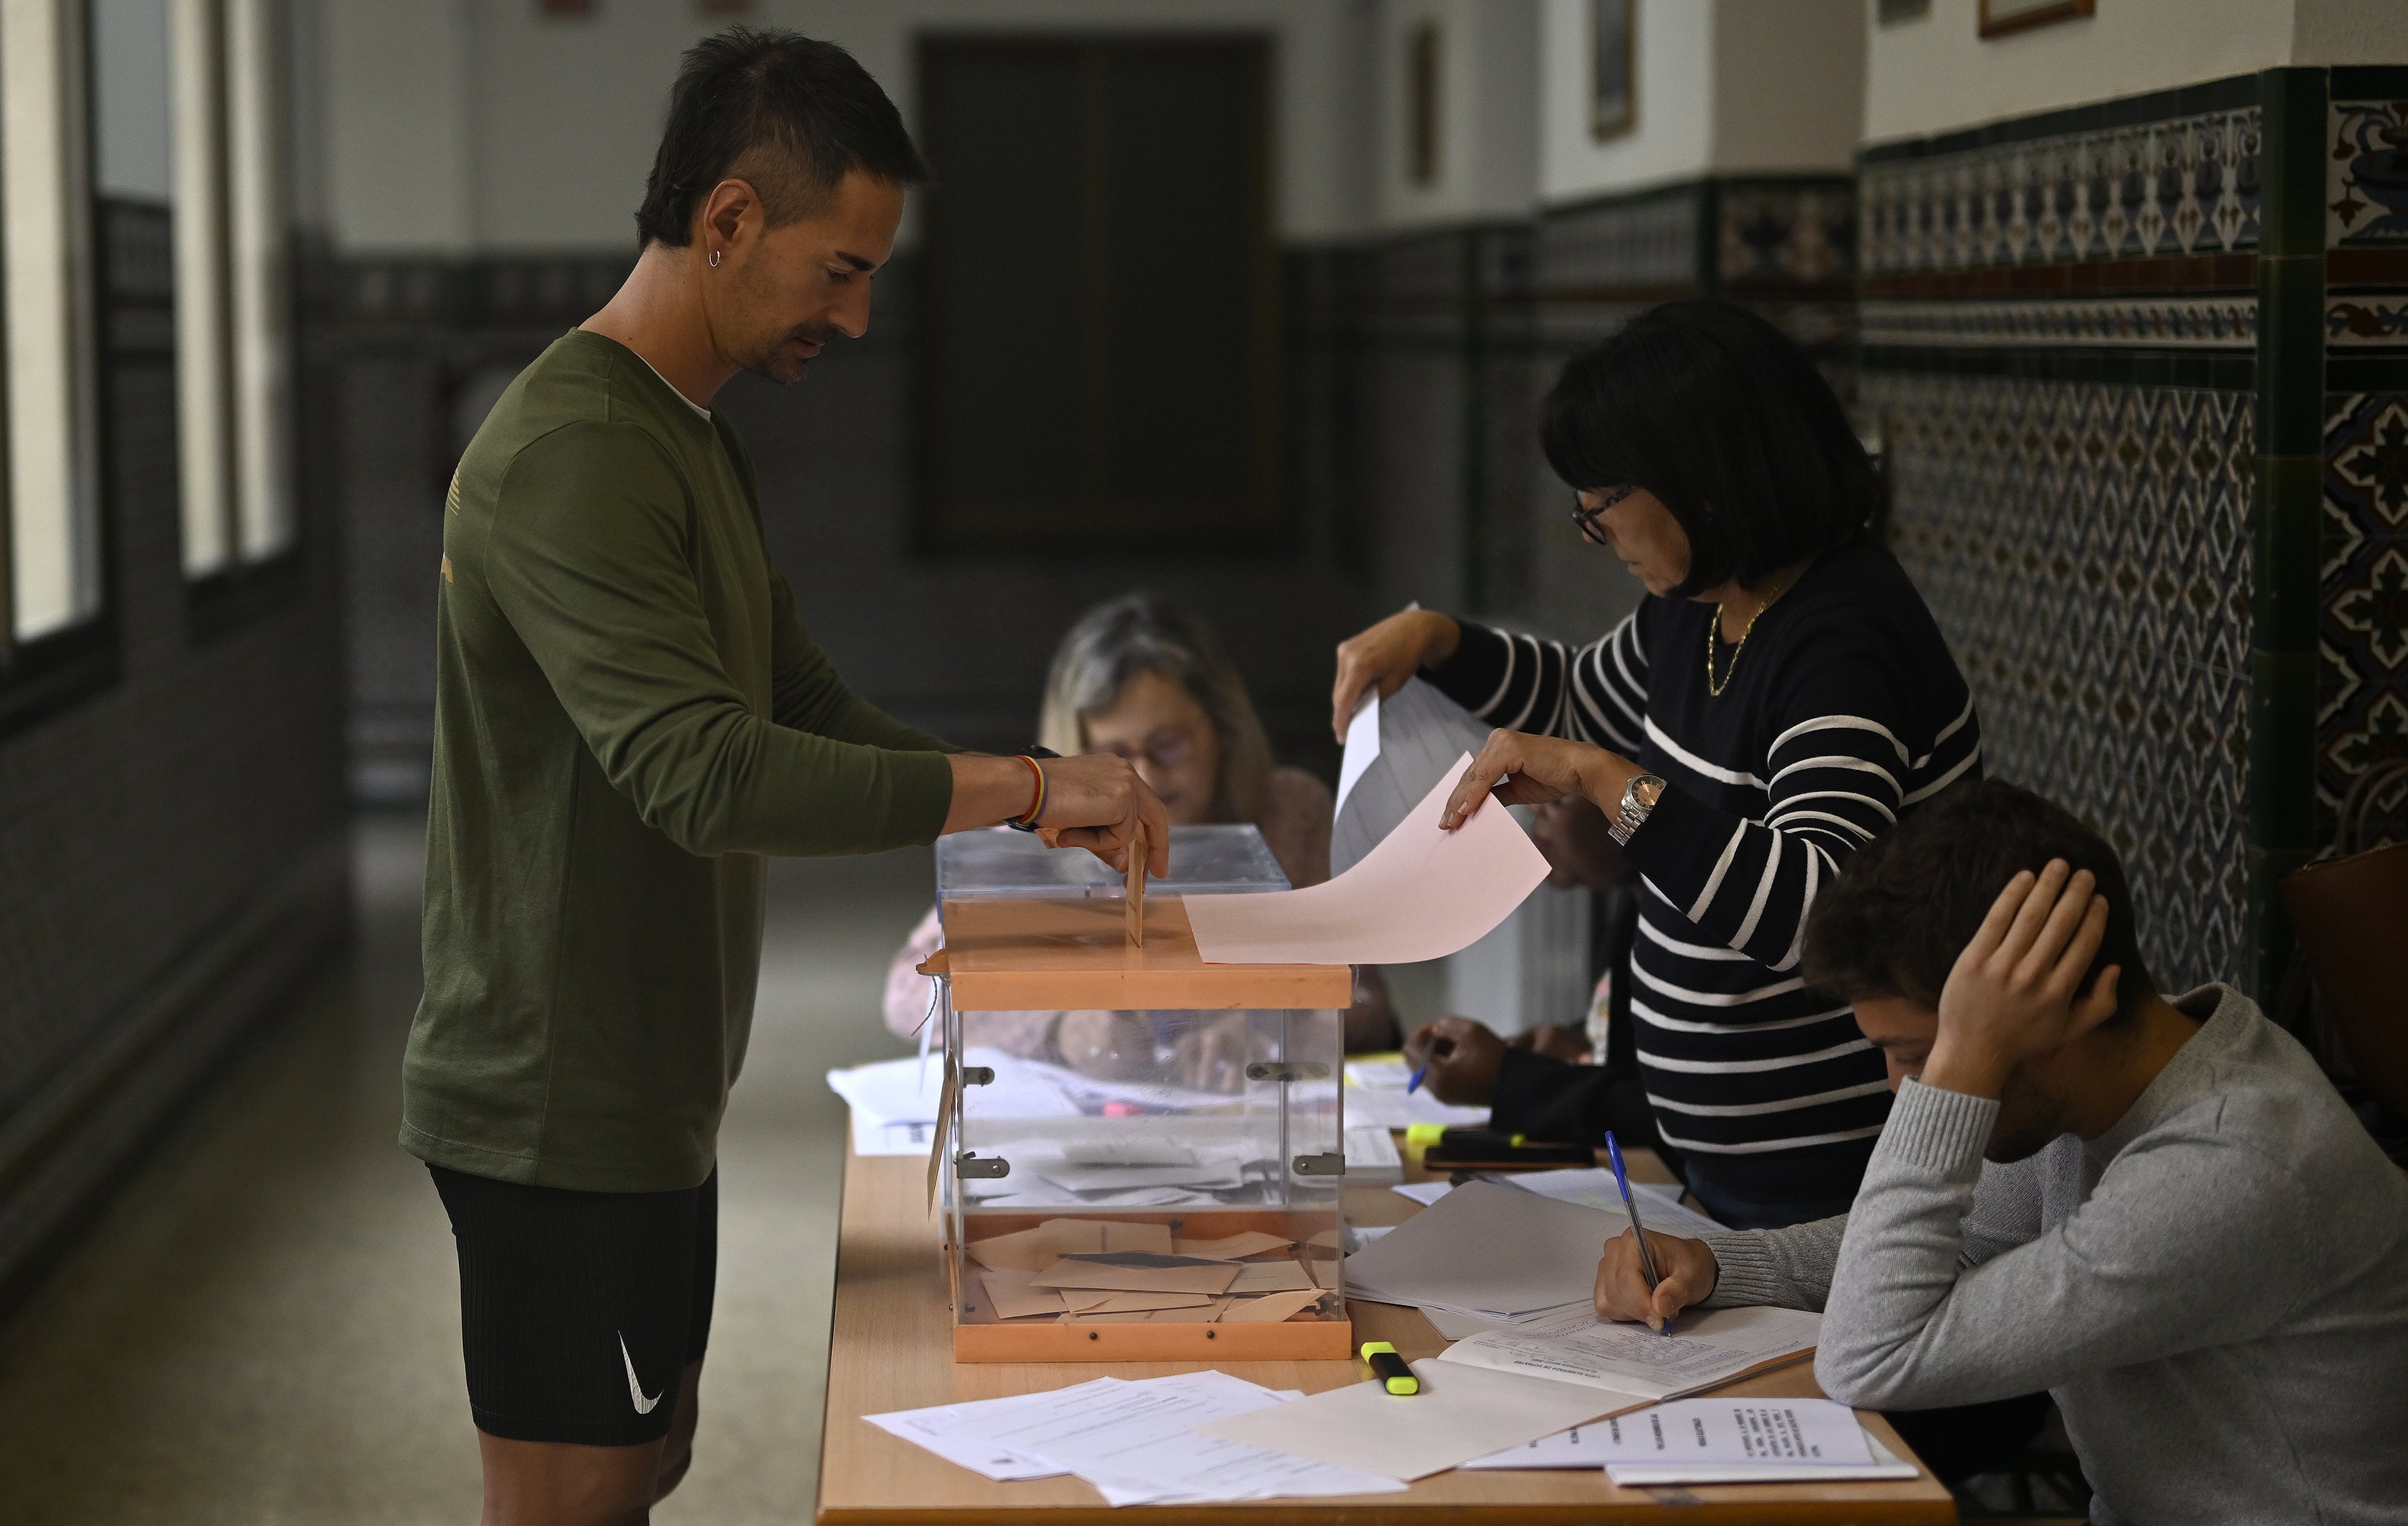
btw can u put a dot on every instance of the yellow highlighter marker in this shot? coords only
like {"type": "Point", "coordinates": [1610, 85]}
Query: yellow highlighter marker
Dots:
{"type": "Point", "coordinates": [1391, 1368]}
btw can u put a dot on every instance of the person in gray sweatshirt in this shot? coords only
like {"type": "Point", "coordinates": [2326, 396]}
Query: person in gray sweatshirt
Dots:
{"type": "Point", "coordinates": [2159, 1210]}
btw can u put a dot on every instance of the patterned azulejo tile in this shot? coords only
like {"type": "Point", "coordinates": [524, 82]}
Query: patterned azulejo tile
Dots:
{"type": "Point", "coordinates": [2227, 322]}
{"type": "Point", "coordinates": [1786, 235]}
{"type": "Point", "coordinates": [1642, 242]}
{"type": "Point", "coordinates": [2366, 207]}
{"type": "Point", "coordinates": [2362, 695]}
{"type": "Point", "coordinates": [2088, 549]}
{"type": "Point", "coordinates": [2366, 175]}
{"type": "Point", "coordinates": [2185, 186]}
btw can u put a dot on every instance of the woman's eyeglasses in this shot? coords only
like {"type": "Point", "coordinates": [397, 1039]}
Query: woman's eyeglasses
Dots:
{"type": "Point", "coordinates": [1164, 750]}
{"type": "Point", "coordinates": [1589, 520]}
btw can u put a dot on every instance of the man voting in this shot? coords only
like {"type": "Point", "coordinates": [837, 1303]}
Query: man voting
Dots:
{"type": "Point", "coordinates": [630, 715]}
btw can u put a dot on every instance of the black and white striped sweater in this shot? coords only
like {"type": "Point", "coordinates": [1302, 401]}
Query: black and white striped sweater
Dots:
{"type": "Point", "coordinates": [1844, 708]}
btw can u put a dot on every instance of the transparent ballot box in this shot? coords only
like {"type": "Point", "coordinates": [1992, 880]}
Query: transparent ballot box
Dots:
{"type": "Point", "coordinates": [1142, 1154]}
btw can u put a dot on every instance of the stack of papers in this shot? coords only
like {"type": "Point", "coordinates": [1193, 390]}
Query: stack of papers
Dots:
{"type": "Point", "coordinates": [1717, 1441]}
{"type": "Point", "coordinates": [1104, 1272]}
{"type": "Point", "coordinates": [1399, 1109]}
{"type": "Point", "coordinates": [1460, 1413]}
{"type": "Point", "coordinates": [1659, 1205]}
{"type": "Point", "coordinates": [1395, 749]}
{"type": "Point", "coordinates": [1133, 1441]}
{"type": "Point", "coordinates": [1705, 1349]}
{"type": "Point", "coordinates": [1376, 1096]}
{"type": "Point", "coordinates": [1477, 1400]}
{"type": "Point", "coordinates": [894, 1101]}
{"type": "Point", "coordinates": [1488, 1250]}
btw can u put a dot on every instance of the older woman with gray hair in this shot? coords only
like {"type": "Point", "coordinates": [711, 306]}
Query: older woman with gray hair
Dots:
{"type": "Point", "coordinates": [1144, 677]}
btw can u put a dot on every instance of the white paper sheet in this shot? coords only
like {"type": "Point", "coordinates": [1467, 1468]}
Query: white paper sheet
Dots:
{"type": "Point", "coordinates": [1735, 1431]}
{"type": "Point", "coordinates": [1401, 1110]}
{"type": "Point", "coordinates": [1885, 1465]}
{"type": "Point", "coordinates": [1486, 1248]}
{"type": "Point", "coordinates": [1421, 894]}
{"type": "Point", "coordinates": [1362, 746]}
{"type": "Point", "coordinates": [871, 1137]}
{"type": "Point", "coordinates": [1380, 1075]}
{"type": "Point", "coordinates": [952, 1433]}
{"type": "Point", "coordinates": [906, 1091]}
{"type": "Point", "coordinates": [1135, 1442]}
{"type": "Point", "coordinates": [1456, 1325]}
{"type": "Point", "coordinates": [1424, 1193]}
{"type": "Point", "coordinates": [1461, 1412]}
{"type": "Point", "coordinates": [1420, 731]}
{"type": "Point", "coordinates": [1659, 1206]}
{"type": "Point", "coordinates": [1705, 1349]}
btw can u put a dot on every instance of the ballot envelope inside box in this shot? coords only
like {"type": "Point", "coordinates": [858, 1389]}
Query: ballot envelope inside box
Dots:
{"type": "Point", "coordinates": [1170, 1188]}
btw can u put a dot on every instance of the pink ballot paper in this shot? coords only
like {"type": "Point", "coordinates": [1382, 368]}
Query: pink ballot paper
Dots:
{"type": "Point", "coordinates": [1420, 893]}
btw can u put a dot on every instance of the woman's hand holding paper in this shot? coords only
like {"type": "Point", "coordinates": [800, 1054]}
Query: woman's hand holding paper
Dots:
{"type": "Point", "coordinates": [1385, 656]}
{"type": "Point", "coordinates": [1521, 769]}
{"type": "Point", "coordinates": [1689, 1273]}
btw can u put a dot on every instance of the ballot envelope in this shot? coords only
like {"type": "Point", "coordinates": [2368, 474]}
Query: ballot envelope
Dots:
{"type": "Point", "coordinates": [1172, 1190]}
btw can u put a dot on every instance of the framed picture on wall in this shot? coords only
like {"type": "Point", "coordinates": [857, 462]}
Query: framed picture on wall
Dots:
{"type": "Point", "coordinates": [2001, 16]}
{"type": "Point", "coordinates": [1612, 67]}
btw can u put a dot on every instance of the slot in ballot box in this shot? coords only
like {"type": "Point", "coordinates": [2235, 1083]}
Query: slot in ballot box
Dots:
{"type": "Point", "coordinates": [1173, 1190]}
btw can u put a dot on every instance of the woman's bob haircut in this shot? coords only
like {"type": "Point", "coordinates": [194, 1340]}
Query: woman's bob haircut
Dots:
{"type": "Point", "coordinates": [1722, 418]}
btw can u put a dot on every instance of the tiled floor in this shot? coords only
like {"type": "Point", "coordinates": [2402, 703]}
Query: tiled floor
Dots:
{"type": "Point", "coordinates": [264, 1328]}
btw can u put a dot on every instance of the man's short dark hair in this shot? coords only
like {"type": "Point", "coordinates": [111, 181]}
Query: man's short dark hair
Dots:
{"type": "Point", "coordinates": [788, 114]}
{"type": "Point", "coordinates": [1909, 902]}
{"type": "Point", "coordinates": [1728, 424]}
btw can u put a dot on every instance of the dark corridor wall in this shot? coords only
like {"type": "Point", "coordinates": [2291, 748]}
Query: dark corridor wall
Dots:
{"type": "Point", "coordinates": [957, 645]}
{"type": "Point", "coordinates": [172, 837]}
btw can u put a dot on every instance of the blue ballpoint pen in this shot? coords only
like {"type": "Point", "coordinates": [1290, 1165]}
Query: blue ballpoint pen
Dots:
{"type": "Point", "coordinates": [1646, 1259]}
{"type": "Point", "coordinates": [1414, 1083]}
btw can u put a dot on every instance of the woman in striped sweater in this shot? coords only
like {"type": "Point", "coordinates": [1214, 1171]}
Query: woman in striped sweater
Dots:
{"type": "Point", "coordinates": [1779, 696]}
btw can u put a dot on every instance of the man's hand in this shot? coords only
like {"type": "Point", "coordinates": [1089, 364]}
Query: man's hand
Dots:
{"type": "Point", "coordinates": [1569, 1044]}
{"type": "Point", "coordinates": [1462, 1058]}
{"type": "Point", "coordinates": [1386, 655]}
{"type": "Point", "coordinates": [1095, 801]}
{"type": "Point", "coordinates": [2016, 991]}
{"type": "Point", "coordinates": [1520, 769]}
{"type": "Point", "coordinates": [1689, 1272]}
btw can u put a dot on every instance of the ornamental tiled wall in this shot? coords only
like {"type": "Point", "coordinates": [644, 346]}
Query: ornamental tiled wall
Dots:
{"type": "Point", "coordinates": [2086, 548]}
{"type": "Point", "coordinates": [2363, 631]}
{"type": "Point", "coordinates": [2060, 330]}
{"type": "Point", "coordinates": [2173, 324]}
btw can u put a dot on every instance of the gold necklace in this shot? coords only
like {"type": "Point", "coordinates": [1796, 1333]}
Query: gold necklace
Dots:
{"type": "Point", "coordinates": [1714, 628]}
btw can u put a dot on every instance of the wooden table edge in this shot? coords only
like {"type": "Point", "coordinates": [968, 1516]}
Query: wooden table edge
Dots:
{"type": "Point", "coordinates": [1723, 1504]}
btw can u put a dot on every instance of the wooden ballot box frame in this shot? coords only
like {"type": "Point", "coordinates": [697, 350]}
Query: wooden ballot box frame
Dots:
{"type": "Point", "coordinates": [1015, 955]}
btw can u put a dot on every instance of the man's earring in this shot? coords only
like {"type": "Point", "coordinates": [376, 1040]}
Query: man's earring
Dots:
{"type": "Point", "coordinates": [714, 259]}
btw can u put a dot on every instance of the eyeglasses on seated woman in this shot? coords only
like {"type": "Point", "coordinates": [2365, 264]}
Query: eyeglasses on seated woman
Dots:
{"type": "Point", "coordinates": [1146, 678]}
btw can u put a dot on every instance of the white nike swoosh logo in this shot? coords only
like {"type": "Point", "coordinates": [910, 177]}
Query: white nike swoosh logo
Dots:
{"type": "Point", "coordinates": [634, 1389]}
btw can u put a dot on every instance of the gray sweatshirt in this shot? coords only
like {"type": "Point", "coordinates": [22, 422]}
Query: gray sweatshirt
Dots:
{"type": "Point", "coordinates": [2215, 1290]}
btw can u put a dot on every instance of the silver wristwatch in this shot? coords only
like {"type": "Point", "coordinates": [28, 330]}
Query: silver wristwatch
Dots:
{"type": "Point", "coordinates": [1638, 798]}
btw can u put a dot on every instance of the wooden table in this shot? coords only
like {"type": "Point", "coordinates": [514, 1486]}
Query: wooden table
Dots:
{"type": "Point", "coordinates": [890, 1347]}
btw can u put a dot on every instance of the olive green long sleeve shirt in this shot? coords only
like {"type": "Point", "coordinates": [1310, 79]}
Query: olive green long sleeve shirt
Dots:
{"type": "Point", "coordinates": [629, 713]}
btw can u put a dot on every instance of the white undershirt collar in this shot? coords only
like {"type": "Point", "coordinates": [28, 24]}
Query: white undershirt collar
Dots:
{"type": "Point", "coordinates": [700, 411]}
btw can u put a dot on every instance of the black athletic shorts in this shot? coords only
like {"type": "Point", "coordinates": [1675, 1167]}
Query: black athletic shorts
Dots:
{"type": "Point", "coordinates": [579, 1311]}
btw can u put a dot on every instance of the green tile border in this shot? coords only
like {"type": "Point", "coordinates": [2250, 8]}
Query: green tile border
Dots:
{"type": "Point", "coordinates": [2289, 507]}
